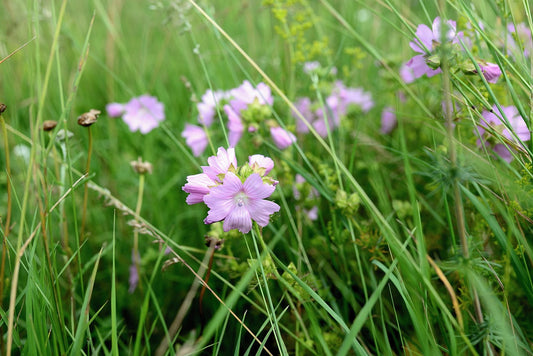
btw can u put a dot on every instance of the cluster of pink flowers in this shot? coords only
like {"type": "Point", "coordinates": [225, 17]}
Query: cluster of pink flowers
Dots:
{"type": "Point", "coordinates": [143, 113]}
{"type": "Point", "coordinates": [246, 109]}
{"type": "Point", "coordinates": [427, 42]}
{"type": "Point", "coordinates": [234, 195]}
{"type": "Point", "coordinates": [519, 37]}
{"type": "Point", "coordinates": [516, 133]}
{"type": "Point", "coordinates": [337, 104]}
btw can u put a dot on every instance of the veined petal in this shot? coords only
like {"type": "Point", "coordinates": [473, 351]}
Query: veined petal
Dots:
{"type": "Point", "coordinates": [260, 210]}
{"type": "Point", "coordinates": [254, 188]}
{"type": "Point", "coordinates": [238, 218]}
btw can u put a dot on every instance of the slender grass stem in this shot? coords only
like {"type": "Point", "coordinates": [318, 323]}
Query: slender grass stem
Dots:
{"type": "Point", "coordinates": [86, 188]}
{"type": "Point", "coordinates": [7, 222]}
{"type": "Point", "coordinates": [136, 259]}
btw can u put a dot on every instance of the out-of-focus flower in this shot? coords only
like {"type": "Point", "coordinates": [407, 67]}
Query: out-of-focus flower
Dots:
{"type": "Point", "coordinates": [234, 195]}
{"type": "Point", "coordinates": [143, 113]}
{"type": "Point", "coordinates": [196, 138]}
{"type": "Point", "coordinates": [133, 280]}
{"type": "Point", "coordinates": [336, 105]}
{"type": "Point", "coordinates": [388, 120]}
{"type": "Point", "coordinates": [490, 71]}
{"type": "Point", "coordinates": [281, 137]}
{"type": "Point", "coordinates": [520, 37]}
{"type": "Point", "coordinates": [310, 67]}
{"type": "Point", "coordinates": [115, 109]}
{"type": "Point", "coordinates": [207, 107]}
{"type": "Point", "coordinates": [516, 133]}
{"type": "Point", "coordinates": [407, 74]}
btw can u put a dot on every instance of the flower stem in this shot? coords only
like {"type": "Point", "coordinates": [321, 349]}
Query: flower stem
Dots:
{"type": "Point", "coordinates": [7, 222]}
{"type": "Point", "coordinates": [86, 188]}
{"type": "Point", "coordinates": [136, 231]}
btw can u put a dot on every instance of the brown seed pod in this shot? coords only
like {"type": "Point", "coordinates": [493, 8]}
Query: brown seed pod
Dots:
{"type": "Point", "coordinates": [49, 125]}
{"type": "Point", "coordinates": [141, 167]}
{"type": "Point", "coordinates": [3, 108]}
{"type": "Point", "coordinates": [88, 118]}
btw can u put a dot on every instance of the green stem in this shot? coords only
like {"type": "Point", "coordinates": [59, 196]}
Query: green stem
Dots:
{"type": "Point", "coordinates": [136, 232]}
{"type": "Point", "coordinates": [86, 188]}
{"type": "Point", "coordinates": [7, 222]}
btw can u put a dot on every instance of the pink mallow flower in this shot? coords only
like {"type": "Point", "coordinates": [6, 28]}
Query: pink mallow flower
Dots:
{"type": "Point", "coordinates": [195, 138]}
{"type": "Point", "coordinates": [281, 137]}
{"type": "Point", "coordinates": [239, 203]}
{"type": "Point", "coordinates": [198, 186]}
{"type": "Point", "coordinates": [522, 34]}
{"type": "Point", "coordinates": [388, 120]}
{"type": "Point", "coordinates": [143, 113]}
{"type": "Point", "coordinates": [219, 165]}
{"type": "Point", "coordinates": [425, 42]}
{"type": "Point", "coordinates": [261, 162]}
{"type": "Point", "coordinates": [115, 109]}
{"type": "Point", "coordinates": [207, 107]}
{"type": "Point", "coordinates": [497, 123]}
{"type": "Point", "coordinates": [490, 71]}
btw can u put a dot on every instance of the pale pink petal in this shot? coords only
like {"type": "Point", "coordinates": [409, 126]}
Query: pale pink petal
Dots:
{"type": "Point", "coordinates": [423, 41]}
{"type": "Point", "coordinates": [195, 138]}
{"type": "Point", "coordinates": [254, 187]}
{"type": "Point", "coordinates": [260, 210]}
{"type": "Point", "coordinates": [238, 218]}
{"type": "Point", "coordinates": [282, 138]}
{"type": "Point", "coordinates": [115, 109]}
{"type": "Point", "coordinates": [220, 163]}
{"type": "Point", "coordinates": [263, 162]}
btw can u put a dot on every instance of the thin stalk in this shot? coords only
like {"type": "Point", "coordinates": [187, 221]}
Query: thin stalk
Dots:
{"type": "Point", "coordinates": [86, 188]}
{"type": "Point", "coordinates": [136, 231]}
{"type": "Point", "coordinates": [7, 222]}
{"type": "Point", "coordinates": [452, 150]}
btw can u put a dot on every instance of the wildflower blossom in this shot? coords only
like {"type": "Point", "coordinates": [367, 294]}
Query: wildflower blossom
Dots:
{"type": "Point", "coordinates": [282, 138]}
{"type": "Point", "coordinates": [426, 42]}
{"type": "Point", "coordinates": [248, 107]}
{"type": "Point", "coordinates": [133, 279]}
{"type": "Point", "coordinates": [515, 134]}
{"type": "Point", "coordinates": [143, 113]}
{"type": "Point", "coordinates": [195, 138]}
{"type": "Point", "coordinates": [336, 106]}
{"type": "Point", "coordinates": [234, 195]}
{"type": "Point", "coordinates": [220, 164]}
{"type": "Point", "coordinates": [519, 37]}
{"type": "Point", "coordinates": [207, 107]}
{"type": "Point", "coordinates": [490, 71]}
{"type": "Point", "coordinates": [237, 203]}
{"type": "Point", "coordinates": [388, 120]}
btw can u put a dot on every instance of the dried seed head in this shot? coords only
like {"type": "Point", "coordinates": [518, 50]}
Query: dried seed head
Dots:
{"type": "Point", "coordinates": [88, 118]}
{"type": "Point", "coordinates": [49, 125]}
{"type": "Point", "coordinates": [3, 108]}
{"type": "Point", "coordinates": [141, 167]}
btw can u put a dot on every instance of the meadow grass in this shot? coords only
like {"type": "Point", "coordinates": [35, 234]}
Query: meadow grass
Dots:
{"type": "Point", "coordinates": [419, 243]}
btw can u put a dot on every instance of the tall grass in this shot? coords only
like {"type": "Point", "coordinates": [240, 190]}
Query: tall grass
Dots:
{"type": "Point", "coordinates": [422, 239]}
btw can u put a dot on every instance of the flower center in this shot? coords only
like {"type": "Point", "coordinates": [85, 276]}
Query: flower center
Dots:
{"type": "Point", "coordinates": [240, 199]}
